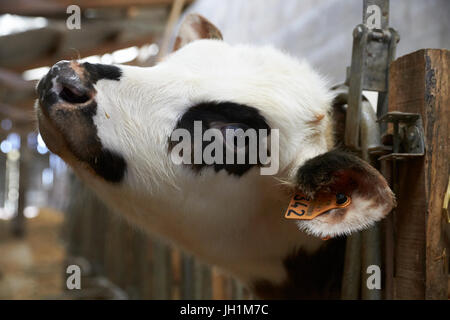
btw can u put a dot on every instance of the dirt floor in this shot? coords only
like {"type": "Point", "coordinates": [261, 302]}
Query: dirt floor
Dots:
{"type": "Point", "coordinates": [32, 267]}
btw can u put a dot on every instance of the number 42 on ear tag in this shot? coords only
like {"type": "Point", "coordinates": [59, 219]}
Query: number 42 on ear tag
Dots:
{"type": "Point", "coordinates": [302, 208]}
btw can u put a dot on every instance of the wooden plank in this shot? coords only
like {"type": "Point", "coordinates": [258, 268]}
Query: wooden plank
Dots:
{"type": "Point", "coordinates": [161, 273]}
{"type": "Point", "coordinates": [16, 114]}
{"type": "Point", "coordinates": [32, 7]}
{"type": "Point", "coordinates": [202, 283]}
{"type": "Point", "coordinates": [437, 158]}
{"type": "Point", "coordinates": [14, 81]}
{"type": "Point", "coordinates": [418, 83]}
{"type": "Point", "coordinates": [221, 285]}
{"type": "Point", "coordinates": [177, 273]}
{"type": "Point", "coordinates": [174, 16]}
{"type": "Point", "coordinates": [113, 265]}
{"type": "Point", "coordinates": [218, 285]}
{"type": "Point", "coordinates": [146, 266]}
{"type": "Point", "coordinates": [52, 8]}
{"type": "Point", "coordinates": [20, 52]}
{"type": "Point", "coordinates": [188, 278]}
{"type": "Point", "coordinates": [123, 3]}
{"type": "Point", "coordinates": [18, 223]}
{"type": "Point", "coordinates": [406, 93]}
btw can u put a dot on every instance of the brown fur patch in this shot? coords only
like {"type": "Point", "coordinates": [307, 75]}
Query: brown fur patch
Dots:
{"type": "Point", "coordinates": [195, 27]}
{"type": "Point", "coordinates": [79, 70]}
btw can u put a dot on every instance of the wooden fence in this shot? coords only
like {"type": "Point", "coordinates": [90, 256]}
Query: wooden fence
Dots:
{"type": "Point", "coordinates": [119, 261]}
{"type": "Point", "coordinates": [419, 83]}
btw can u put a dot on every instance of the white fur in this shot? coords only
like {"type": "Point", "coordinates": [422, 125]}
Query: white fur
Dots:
{"type": "Point", "coordinates": [235, 222]}
{"type": "Point", "coordinates": [362, 214]}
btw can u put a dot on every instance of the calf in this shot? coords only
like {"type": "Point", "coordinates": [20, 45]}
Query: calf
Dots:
{"type": "Point", "coordinates": [114, 125]}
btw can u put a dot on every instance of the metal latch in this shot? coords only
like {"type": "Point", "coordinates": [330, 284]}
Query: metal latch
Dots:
{"type": "Point", "coordinates": [408, 136]}
{"type": "Point", "coordinates": [373, 49]}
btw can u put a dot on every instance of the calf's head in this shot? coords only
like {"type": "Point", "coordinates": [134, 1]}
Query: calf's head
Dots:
{"type": "Point", "coordinates": [114, 122]}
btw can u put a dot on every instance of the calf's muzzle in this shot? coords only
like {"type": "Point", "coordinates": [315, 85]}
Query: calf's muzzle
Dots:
{"type": "Point", "coordinates": [67, 82]}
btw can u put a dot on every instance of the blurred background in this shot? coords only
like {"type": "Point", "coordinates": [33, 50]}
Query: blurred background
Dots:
{"type": "Point", "coordinates": [49, 220]}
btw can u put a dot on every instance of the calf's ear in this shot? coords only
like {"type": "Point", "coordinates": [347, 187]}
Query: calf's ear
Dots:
{"type": "Point", "coordinates": [345, 175]}
{"type": "Point", "coordinates": [195, 27]}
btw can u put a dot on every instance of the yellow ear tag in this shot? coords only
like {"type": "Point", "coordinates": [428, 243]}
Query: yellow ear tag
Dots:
{"type": "Point", "coordinates": [302, 208]}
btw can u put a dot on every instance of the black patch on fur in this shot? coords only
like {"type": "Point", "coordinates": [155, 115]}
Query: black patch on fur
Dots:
{"type": "Point", "coordinates": [342, 172]}
{"type": "Point", "coordinates": [309, 276]}
{"type": "Point", "coordinates": [107, 164]}
{"type": "Point", "coordinates": [98, 71]}
{"type": "Point", "coordinates": [318, 172]}
{"type": "Point", "coordinates": [226, 113]}
{"type": "Point", "coordinates": [77, 124]}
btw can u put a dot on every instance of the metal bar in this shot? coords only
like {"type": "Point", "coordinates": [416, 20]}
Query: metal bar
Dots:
{"type": "Point", "coordinates": [370, 256]}
{"type": "Point", "coordinates": [369, 130]}
{"type": "Point", "coordinates": [371, 238]}
{"type": "Point", "coordinates": [352, 268]}
{"type": "Point", "coordinates": [360, 34]}
{"type": "Point", "coordinates": [373, 49]}
{"type": "Point", "coordinates": [363, 249]}
{"type": "Point", "coordinates": [388, 245]}
{"type": "Point", "coordinates": [382, 104]}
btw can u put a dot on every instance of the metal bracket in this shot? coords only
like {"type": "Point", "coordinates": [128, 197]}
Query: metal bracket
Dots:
{"type": "Point", "coordinates": [408, 136]}
{"type": "Point", "coordinates": [373, 50]}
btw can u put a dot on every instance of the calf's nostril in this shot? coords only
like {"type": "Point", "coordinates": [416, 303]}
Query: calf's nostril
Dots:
{"type": "Point", "coordinates": [72, 95]}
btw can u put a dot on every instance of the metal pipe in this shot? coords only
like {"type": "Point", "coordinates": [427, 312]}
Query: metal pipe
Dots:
{"type": "Point", "coordinates": [352, 268]}
{"type": "Point", "coordinates": [364, 249]}
{"type": "Point", "coordinates": [371, 238]}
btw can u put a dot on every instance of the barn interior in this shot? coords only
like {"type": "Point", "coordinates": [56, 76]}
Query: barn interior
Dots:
{"type": "Point", "coordinates": [50, 220]}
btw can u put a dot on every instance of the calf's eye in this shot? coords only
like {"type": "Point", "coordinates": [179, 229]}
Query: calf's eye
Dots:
{"type": "Point", "coordinates": [234, 131]}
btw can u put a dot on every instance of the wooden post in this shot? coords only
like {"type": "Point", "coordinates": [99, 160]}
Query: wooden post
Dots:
{"type": "Point", "coordinates": [175, 13]}
{"type": "Point", "coordinates": [419, 83]}
{"type": "Point", "coordinates": [176, 257]}
{"type": "Point", "coordinates": [219, 285]}
{"type": "Point", "coordinates": [162, 275]}
{"type": "Point", "coordinates": [18, 222]}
